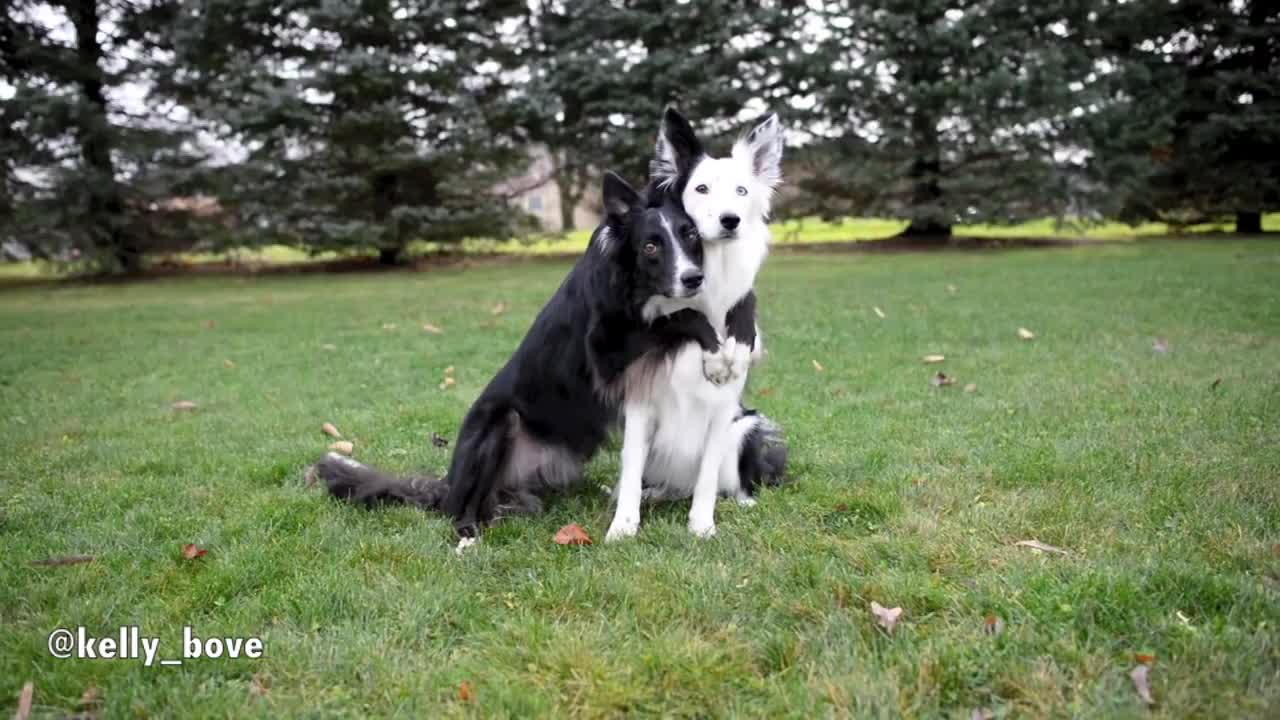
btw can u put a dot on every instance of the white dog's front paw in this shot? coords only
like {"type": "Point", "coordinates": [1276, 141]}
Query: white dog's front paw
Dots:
{"type": "Point", "coordinates": [745, 500]}
{"type": "Point", "coordinates": [716, 367]}
{"type": "Point", "coordinates": [702, 527]}
{"type": "Point", "coordinates": [739, 359]}
{"type": "Point", "coordinates": [622, 527]}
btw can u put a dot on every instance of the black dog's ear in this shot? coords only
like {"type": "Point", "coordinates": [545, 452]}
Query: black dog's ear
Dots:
{"type": "Point", "coordinates": [676, 151]}
{"type": "Point", "coordinates": [619, 197]}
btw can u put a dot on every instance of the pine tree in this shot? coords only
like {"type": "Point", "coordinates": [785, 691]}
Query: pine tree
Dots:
{"type": "Point", "coordinates": [938, 111]}
{"type": "Point", "coordinates": [81, 176]}
{"type": "Point", "coordinates": [365, 125]}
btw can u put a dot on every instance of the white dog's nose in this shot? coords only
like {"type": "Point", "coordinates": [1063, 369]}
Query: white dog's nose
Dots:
{"type": "Point", "coordinates": [729, 221]}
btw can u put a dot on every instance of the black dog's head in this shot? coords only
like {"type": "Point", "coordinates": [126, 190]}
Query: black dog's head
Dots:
{"type": "Point", "coordinates": [652, 239]}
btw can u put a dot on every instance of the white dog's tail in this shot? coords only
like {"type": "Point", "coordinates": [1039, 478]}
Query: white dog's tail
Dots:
{"type": "Point", "coordinates": [762, 458]}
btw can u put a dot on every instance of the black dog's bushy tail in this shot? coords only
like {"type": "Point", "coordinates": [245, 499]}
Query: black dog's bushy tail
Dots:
{"type": "Point", "coordinates": [763, 458]}
{"type": "Point", "coordinates": [361, 485]}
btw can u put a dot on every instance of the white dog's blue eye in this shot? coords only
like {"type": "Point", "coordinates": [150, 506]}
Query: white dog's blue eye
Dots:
{"type": "Point", "coordinates": [702, 189]}
{"type": "Point", "coordinates": [742, 190]}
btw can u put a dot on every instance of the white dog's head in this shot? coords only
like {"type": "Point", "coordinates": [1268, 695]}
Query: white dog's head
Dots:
{"type": "Point", "coordinates": [724, 196]}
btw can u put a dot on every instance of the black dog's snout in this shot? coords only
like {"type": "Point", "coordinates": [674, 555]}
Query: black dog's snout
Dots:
{"type": "Point", "coordinates": [730, 221]}
{"type": "Point", "coordinates": [692, 280]}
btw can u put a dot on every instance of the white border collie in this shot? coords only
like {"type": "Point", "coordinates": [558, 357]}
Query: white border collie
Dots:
{"type": "Point", "coordinates": [686, 432]}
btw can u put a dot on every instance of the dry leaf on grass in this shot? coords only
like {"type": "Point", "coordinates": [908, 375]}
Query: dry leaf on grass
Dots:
{"type": "Point", "coordinates": [817, 365]}
{"type": "Point", "coordinates": [1140, 676]}
{"type": "Point", "coordinates": [971, 387]}
{"type": "Point", "coordinates": [434, 330]}
{"type": "Point", "coordinates": [228, 364]}
{"type": "Point", "coordinates": [941, 380]}
{"type": "Point", "coordinates": [992, 625]}
{"type": "Point", "coordinates": [191, 551]}
{"type": "Point", "coordinates": [879, 313]}
{"type": "Point", "coordinates": [259, 684]}
{"type": "Point", "coordinates": [572, 534]}
{"type": "Point", "coordinates": [1161, 345]}
{"type": "Point", "coordinates": [346, 447]}
{"type": "Point", "coordinates": [1037, 545]}
{"type": "Point", "coordinates": [183, 405]}
{"type": "Point", "coordinates": [90, 698]}
{"type": "Point", "coordinates": [24, 701]}
{"type": "Point", "coordinates": [328, 347]}
{"type": "Point", "coordinates": [331, 431]}
{"type": "Point", "coordinates": [1216, 382]}
{"type": "Point", "coordinates": [448, 383]}
{"type": "Point", "coordinates": [951, 288]}
{"type": "Point", "coordinates": [498, 309]}
{"type": "Point", "coordinates": [64, 560]}
{"type": "Point", "coordinates": [448, 370]}
{"type": "Point", "coordinates": [931, 359]}
{"type": "Point", "coordinates": [388, 326]}
{"type": "Point", "coordinates": [464, 691]}
{"type": "Point", "coordinates": [886, 617]}
{"type": "Point", "coordinates": [764, 392]}
{"type": "Point", "coordinates": [209, 324]}
{"type": "Point", "coordinates": [1026, 334]}
{"type": "Point", "coordinates": [1145, 658]}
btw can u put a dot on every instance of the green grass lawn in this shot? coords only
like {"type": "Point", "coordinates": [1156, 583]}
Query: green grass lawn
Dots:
{"type": "Point", "coordinates": [1157, 472]}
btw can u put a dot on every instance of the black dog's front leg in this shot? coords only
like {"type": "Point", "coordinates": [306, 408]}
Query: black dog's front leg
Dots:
{"type": "Point", "coordinates": [740, 322]}
{"type": "Point", "coordinates": [613, 343]}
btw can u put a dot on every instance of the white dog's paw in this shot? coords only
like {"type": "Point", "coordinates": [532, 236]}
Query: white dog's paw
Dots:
{"type": "Point", "coordinates": [702, 527]}
{"type": "Point", "coordinates": [716, 367]}
{"type": "Point", "coordinates": [745, 500]}
{"type": "Point", "coordinates": [622, 527]}
{"type": "Point", "coordinates": [463, 544]}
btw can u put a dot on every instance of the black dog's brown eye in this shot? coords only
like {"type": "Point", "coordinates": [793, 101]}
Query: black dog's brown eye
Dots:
{"type": "Point", "coordinates": [702, 189]}
{"type": "Point", "coordinates": [650, 249]}
{"type": "Point", "coordinates": [742, 190]}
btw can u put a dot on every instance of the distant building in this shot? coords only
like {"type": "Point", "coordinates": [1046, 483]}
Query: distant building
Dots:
{"type": "Point", "coordinates": [535, 192]}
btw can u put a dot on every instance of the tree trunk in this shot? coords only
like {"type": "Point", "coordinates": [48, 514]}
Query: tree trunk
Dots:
{"type": "Point", "coordinates": [105, 212]}
{"type": "Point", "coordinates": [390, 255]}
{"type": "Point", "coordinates": [1249, 222]}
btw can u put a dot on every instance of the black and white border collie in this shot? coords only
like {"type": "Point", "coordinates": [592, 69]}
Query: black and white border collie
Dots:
{"type": "Point", "coordinates": [552, 405]}
{"type": "Point", "coordinates": [685, 430]}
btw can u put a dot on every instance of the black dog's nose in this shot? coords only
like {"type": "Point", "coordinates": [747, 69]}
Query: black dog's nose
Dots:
{"type": "Point", "coordinates": [692, 280]}
{"type": "Point", "coordinates": [730, 221]}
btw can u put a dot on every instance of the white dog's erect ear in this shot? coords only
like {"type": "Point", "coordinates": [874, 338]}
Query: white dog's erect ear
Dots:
{"type": "Point", "coordinates": [762, 147]}
{"type": "Point", "coordinates": [677, 149]}
{"type": "Point", "coordinates": [619, 197]}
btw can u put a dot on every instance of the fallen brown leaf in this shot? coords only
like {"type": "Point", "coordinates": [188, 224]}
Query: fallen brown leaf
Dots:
{"type": "Point", "coordinates": [817, 365]}
{"type": "Point", "coordinates": [992, 625]}
{"type": "Point", "coordinates": [434, 330]}
{"type": "Point", "coordinates": [931, 359]}
{"type": "Point", "coordinates": [448, 383]}
{"type": "Point", "coordinates": [439, 440]}
{"type": "Point", "coordinates": [764, 392]}
{"type": "Point", "coordinates": [1037, 545]}
{"type": "Point", "coordinates": [191, 551]}
{"type": "Point", "coordinates": [1142, 683]}
{"type": "Point", "coordinates": [259, 684]}
{"type": "Point", "coordinates": [1145, 658]}
{"type": "Point", "coordinates": [346, 447]}
{"type": "Point", "coordinates": [1160, 345]}
{"type": "Point", "coordinates": [971, 387]}
{"type": "Point", "coordinates": [90, 698]}
{"type": "Point", "coordinates": [64, 560]}
{"type": "Point", "coordinates": [330, 430]}
{"type": "Point", "coordinates": [388, 326]}
{"type": "Point", "coordinates": [330, 347]}
{"type": "Point", "coordinates": [879, 313]}
{"type": "Point", "coordinates": [448, 370]}
{"type": "Point", "coordinates": [1026, 334]}
{"type": "Point", "coordinates": [886, 617]}
{"type": "Point", "coordinates": [209, 324]}
{"type": "Point", "coordinates": [182, 405]}
{"type": "Point", "coordinates": [1216, 382]}
{"type": "Point", "coordinates": [498, 309]}
{"type": "Point", "coordinates": [464, 691]}
{"type": "Point", "coordinates": [24, 701]}
{"type": "Point", "coordinates": [228, 364]}
{"type": "Point", "coordinates": [572, 534]}
{"type": "Point", "coordinates": [940, 379]}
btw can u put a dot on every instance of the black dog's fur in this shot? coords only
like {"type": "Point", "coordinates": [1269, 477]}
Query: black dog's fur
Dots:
{"type": "Point", "coordinates": [551, 407]}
